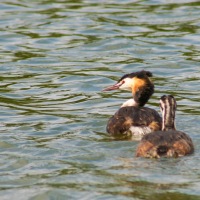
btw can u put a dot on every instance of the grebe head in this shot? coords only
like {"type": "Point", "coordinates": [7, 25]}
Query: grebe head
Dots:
{"type": "Point", "coordinates": [168, 109]}
{"type": "Point", "coordinates": [138, 83]}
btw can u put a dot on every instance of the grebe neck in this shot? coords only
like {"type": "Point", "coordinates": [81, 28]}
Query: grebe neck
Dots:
{"type": "Point", "coordinates": [130, 102]}
{"type": "Point", "coordinates": [168, 108]}
{"type": "Point", "coordinates": [142, 91]}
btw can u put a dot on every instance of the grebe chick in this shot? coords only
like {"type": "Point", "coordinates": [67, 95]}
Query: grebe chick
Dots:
{"type": "Point", "coordinates": [169, 142]}
{"type": "Point", "coordinates": [132, 119]}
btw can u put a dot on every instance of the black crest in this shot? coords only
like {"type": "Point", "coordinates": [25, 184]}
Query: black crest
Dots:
{"type": "Point", "coordinates": [140, 74]}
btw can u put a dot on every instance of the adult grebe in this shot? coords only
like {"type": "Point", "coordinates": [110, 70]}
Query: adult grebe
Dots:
{"type": "Point", "coordinates": [132, 119]}
{"type": "Point", "coordinates": [169, 142]}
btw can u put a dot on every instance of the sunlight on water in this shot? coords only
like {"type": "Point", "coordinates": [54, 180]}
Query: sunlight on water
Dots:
{"type": "Point", "coordinates": [56, 57]}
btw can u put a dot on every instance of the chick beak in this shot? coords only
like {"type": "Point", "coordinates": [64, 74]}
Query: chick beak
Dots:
{"type": "Point", "coordinates": [112, 87]}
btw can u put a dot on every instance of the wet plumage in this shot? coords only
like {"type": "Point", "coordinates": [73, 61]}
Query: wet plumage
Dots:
{"type": "Point", "coordinates": [143, 119]}
{"type": "Point", "coordinates": [169, 142]}
{"type": "Point", "coordinates": [132, 118]}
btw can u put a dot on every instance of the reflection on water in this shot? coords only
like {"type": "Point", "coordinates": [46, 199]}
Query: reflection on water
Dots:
{"type": "Point", "coordinates": [56, 57]}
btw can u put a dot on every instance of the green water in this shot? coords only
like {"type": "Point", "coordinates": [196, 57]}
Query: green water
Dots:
{"type": "Point", "coordinates": [55, 58]}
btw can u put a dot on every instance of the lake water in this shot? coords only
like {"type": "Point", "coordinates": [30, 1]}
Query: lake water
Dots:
{"type": "Point", "coordinates": [56, 56]}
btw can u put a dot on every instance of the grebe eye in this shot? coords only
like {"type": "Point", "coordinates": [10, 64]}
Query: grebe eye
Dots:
{"type": "Point", "coordinates": [122, 82]}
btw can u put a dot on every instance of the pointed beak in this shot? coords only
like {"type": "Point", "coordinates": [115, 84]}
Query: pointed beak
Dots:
{"type": "Point", "coordinates": [113, 87]}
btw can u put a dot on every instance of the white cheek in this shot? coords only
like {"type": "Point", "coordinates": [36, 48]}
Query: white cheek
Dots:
{"type": "Point", "coordinates": [127, 84]}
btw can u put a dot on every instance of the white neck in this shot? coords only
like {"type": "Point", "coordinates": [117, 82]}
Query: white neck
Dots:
{"type": "Point", "coordinates": [130, 102]}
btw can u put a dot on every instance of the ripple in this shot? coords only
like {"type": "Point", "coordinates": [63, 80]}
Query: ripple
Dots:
{"type": "Point", "coordinates": [56, 57]}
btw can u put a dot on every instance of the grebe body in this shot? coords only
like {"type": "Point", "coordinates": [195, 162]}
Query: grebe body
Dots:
{"type": "Point", "coordinates": [135, 121]}
{"type": "Point", "coordinates": [169, 142]}
{"type": "Point", "coordinates": [132, 119]}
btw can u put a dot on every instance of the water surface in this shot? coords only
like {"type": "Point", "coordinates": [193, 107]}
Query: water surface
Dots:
{"type": "Point", "coordinates": [55, 58]}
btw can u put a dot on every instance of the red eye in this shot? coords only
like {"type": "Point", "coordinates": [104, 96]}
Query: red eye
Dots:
{"type": "Point", "coordinates": [121, 83]}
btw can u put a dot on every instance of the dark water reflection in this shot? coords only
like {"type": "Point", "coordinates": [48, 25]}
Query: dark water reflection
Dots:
{"type": "Point", "coordinates": [56, 57]}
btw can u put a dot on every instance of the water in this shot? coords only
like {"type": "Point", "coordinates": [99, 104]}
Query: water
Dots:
{"type": "Point", "coordinates": [56, 57]}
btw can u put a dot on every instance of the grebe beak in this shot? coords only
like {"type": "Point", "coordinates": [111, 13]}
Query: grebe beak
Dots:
{"type": "Point", "coordinates": [113, 87]}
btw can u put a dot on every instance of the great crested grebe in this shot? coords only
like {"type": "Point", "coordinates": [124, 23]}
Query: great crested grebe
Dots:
{"type": "Point", "coordinates": [132, 119]}
{"type": "Point", "coordinates": [169, 142]}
